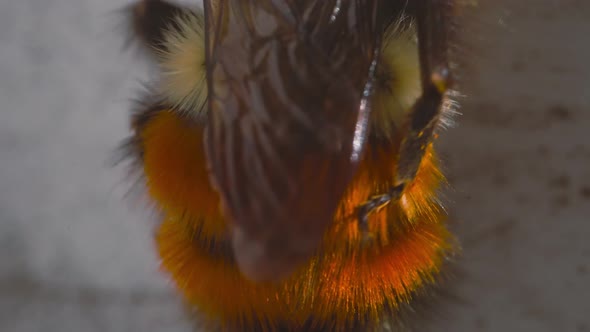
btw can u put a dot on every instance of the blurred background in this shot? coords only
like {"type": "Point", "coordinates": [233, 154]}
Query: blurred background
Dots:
{"type": "Point", "coordinates": [76, 256]}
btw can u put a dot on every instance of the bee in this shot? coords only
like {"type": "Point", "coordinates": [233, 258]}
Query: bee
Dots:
{"type": "Point", "coordinates": [288, 146]}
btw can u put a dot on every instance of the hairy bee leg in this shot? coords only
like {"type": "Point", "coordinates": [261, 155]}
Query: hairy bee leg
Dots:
{"type": "Point", "coordinates": [412, 151]}
{"type": "Point", "coordinates": [374, 203]}
{"type": "Point", "coordinates": [151, 20]}
{"type": "Point", "coordinates": [431, 21]}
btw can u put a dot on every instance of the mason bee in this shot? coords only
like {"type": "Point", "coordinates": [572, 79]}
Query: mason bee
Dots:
{"type": "Point", "coordinates": [289, 148]}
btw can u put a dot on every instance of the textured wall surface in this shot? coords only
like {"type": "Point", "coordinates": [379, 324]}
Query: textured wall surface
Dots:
{"type": "Point", "coordinates": [520, 165]}
{"type": "Point", "coordinates": [75, 257]}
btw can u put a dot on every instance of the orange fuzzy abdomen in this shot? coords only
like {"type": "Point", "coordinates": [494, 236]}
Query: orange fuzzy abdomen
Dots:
{"type": "Point", "coordinates": [347, 284]}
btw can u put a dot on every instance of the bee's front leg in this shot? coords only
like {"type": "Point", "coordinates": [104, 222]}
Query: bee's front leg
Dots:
{"type": "Point", "coordinates": [432, 20]}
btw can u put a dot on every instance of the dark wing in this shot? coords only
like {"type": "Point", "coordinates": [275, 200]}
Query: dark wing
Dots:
{"type": "Point", "coordinates": [289, 85]}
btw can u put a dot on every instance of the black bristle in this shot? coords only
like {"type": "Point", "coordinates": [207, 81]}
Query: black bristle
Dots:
{"type": "Point", "coordinates": [151, 20]}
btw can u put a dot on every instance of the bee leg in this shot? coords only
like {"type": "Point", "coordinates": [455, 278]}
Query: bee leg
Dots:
{"type": "Point", "coordinates": [374, 203]}
{"type": "Point", "coordinates": [432, 24]}
{"type": "Point", "coordinates": [151, 20]}
{"type": "Point", "coordinates": [413, 148]}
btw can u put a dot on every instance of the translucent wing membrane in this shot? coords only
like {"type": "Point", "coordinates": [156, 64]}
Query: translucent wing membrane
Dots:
{"type": "Point", "coordinates": [289, 85]}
